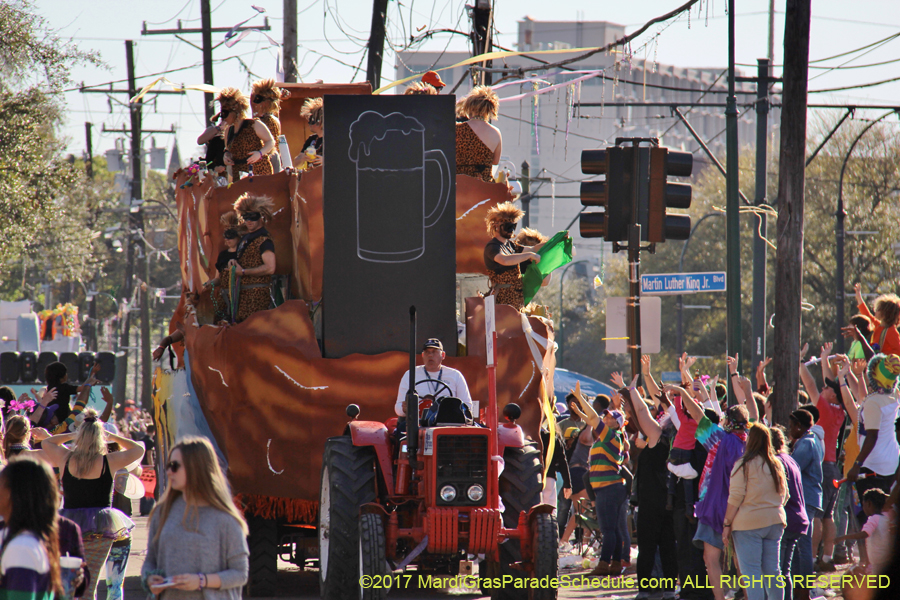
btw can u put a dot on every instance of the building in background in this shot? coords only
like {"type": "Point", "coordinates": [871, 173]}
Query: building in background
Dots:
{"type": "Point", "coordinates": [554, 154]}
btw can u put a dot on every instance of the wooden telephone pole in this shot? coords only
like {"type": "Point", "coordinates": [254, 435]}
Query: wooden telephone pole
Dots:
{"type": "Point", "coordinates": [791, 181]}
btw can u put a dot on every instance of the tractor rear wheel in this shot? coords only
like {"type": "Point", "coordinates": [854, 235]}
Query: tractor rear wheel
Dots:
{"type": "Point", "coordinates": [372, 563]}
{"type": "Point", "coordinates": [263, 545]}
{"type": "Point", "coordinates": [520, 490]}
{"type": "Point", "coordinates": [546, 555]}
{"type": "Point", "coordinates": [348, 482]}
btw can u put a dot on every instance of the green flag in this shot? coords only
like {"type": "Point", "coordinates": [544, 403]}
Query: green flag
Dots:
{"type": "Point", "coordinates": [554, 254]}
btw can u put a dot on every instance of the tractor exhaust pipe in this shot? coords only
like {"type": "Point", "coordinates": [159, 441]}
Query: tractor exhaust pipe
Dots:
{"type": "Point", "coordinates": [412, 401]}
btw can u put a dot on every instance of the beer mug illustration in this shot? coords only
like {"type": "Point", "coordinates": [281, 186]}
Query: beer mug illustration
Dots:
{"type": "Point", "coordinates": [390, 156]}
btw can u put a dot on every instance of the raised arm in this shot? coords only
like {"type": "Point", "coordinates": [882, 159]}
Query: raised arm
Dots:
{"type": "Point", "coordinates": [809, 383]}
{"type": "Point", "coordinates": [690, 405]}
{"type": "Point", "coordinates": [110, 402]}
{"type": "Point", "coordinates": [131, 451]}
{"type": "Point", "coordinates": [746, 387]}
{"type": "Point", "coordinates": [762, 386]}
{"type": "Point", "coordinates": [653, 389]}
{"type": "Point", "coordinates": [846, 394]}
{"type": "Point", "coordinates": [828, 369]}
{"type": "Point", "coordinates": [859, 371]}
{"type": "Point", "coordinates": [54, 449]}
{"type": "Point", "coordinates": [587, 413]}
{"type": "Point", "coordinates": [645, 421]}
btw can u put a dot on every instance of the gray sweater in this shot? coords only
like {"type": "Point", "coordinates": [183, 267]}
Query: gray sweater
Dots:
{"type": "Point", "coordinates": [215, 544]}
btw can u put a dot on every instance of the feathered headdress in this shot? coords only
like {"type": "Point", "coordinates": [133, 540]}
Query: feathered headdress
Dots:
{"type": "Point", "coordinates": [261, 204]}
{"type": "Point", "coordinates": [233, 99]}
{"type": "Point", "coordinates": [530, 237]}
{"type": "Point", "coordinates": [267, 89]}
{"type": "Point", "coordinates": [230, 220]}
{"type": "Point", "coordinates": [313, 110]}
{"type": "Point", "coordinates": [505, 212]}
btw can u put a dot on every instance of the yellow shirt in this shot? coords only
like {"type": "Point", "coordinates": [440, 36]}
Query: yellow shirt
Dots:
{"type": "Point", "coordinates": [753, 491]}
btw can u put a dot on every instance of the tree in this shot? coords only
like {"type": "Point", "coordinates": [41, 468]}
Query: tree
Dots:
{"type": "Point", "coordinates": [38, 186]}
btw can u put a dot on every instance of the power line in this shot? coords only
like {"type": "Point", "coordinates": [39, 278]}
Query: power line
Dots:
{"type": "Point", "coordinates": [854, 87]}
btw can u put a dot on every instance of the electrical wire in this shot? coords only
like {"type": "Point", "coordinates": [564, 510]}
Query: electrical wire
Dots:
{"type": "Point", "coordinates": [854, 87]}
{"type": "Point", "coordinates": [849, 60]}
{"type": "Point", "coordinates": [186, 4]}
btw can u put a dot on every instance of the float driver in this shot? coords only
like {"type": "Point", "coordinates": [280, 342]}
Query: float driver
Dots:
{"type": "Point", "coordinates": [431, 376]}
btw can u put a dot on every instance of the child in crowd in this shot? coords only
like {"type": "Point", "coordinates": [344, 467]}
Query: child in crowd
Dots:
{"type": "Point", "coordinates": [876, 532]}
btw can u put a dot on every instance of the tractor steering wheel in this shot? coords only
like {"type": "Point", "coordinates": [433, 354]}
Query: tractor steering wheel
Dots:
{"type": "Point", "coordinates": [441, 386]}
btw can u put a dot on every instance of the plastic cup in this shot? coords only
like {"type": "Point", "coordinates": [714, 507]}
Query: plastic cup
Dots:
{"type": "Point", "coordinates": [69, 569]}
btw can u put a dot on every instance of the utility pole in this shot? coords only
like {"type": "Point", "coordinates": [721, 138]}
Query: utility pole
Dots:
{"type": "Point", "coordinates": [289, 41]}
{"type": "Point", "coordinates": [482, 20]}
{"type": "Point", "coordinates": [376, 43]}
{"type": "Point", "coordinates": [135, 229]}
{"type": "Point", "coordinates": [526, 193]}
{"type": "Point", "coordinates": [89, 151]}
{"type": "Point", "coordinates": [791, 182]}
{"type": "Point", "coordinates": [732, 214]}
{"type": "Point", "coordinates": [762, 81]}
{"type": "Point", "coordinates": [206, 37]}
{"type": "Point", "coordinates": [206, 30]}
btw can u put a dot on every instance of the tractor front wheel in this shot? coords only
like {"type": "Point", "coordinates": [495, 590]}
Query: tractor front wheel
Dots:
{"type": "Point", "coordinates": [372, 563]}
{"type": "Point", "coordinates": [546, 555]}
{"type": "Point", "coordinates": [348, 482]}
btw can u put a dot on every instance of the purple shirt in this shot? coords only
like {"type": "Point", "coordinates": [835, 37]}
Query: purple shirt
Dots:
{"type": "Point", "coordinates": [795, 509]}
{"type": "Point", "coordinates": [726, 448]}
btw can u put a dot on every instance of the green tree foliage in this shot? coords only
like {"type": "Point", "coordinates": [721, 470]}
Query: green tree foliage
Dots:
{"type": "Point", "coordinates": [38, 187]}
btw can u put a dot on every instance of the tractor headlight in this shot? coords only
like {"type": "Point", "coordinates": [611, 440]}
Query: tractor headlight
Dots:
{"type": "Point", "coordinates": [448, 493]}
{"type": "Point", "coordinates": [475, 493]}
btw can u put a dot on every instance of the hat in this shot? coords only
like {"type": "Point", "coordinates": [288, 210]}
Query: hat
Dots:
{"type": "Point", "coordinates": [111, 427]}
{"type": "Point", "coordinates": [685, 471]}
{"type": "Point", "coordinates": [433, 343]}
{"type": "Point", "coordinates": [562, 407]}
{"type": "Point", "coordinates": [129, 486]}
{"type": "Point", "coordinates": [803, 418]}
{"type": "Point", "coordinates": [618, 416]}
{"type": "Point", "coordinates": [835, 386]}
{"type": "Point", "coordinates": [884, 369]}
{"type": "Point", "coordinates": [433, 79]}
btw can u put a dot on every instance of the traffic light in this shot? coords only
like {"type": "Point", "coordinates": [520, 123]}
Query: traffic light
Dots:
{"type": "Point", "coordinates": [664, 194]}
{"type": "Point", "coordinates": [614, 194]}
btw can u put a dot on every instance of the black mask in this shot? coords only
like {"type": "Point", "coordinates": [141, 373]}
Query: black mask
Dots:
{"type": "Point", "coordinates": [258, 99]}
{"type": "Point", "coordinates": [231, 234]}
{"type": "Point", "coordinates": [507, 229]}
{"type": "Point", "coordinates": [252, 216]}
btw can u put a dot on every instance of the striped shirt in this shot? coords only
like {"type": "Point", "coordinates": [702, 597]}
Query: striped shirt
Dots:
{"type": "Point", "coordinates": [607, 456]}
{"type": "Point", "coordinates": [24, 569]}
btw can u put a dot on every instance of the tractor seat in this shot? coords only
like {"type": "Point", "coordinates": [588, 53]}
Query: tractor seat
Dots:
{"type": "Point", "coordinates": [449, 411]}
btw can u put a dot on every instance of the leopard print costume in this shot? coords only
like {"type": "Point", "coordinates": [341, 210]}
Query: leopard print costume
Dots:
{"type": "Point", "coordinates": [270, 121]}
{"type": "Point", "coordinates": [223, 296]}
{"type": "Point", "coordinates": [253, 299]}
{"type": "Point", "coordinates": [242, 143]}
{"type": "Point", "coordinates": [506, 288]}
{"type": "Point", "coordinates": [473, 157]}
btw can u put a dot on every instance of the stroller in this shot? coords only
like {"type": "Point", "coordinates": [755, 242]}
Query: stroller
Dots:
{"type": "Point", "coordinates": [587, 527]}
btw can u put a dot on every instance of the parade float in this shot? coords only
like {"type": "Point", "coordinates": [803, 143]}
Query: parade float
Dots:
{"type": "Point", "coordinates": [353, 254]}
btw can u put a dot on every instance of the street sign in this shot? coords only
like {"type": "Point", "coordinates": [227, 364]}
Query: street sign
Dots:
{"type": "Point", "coordinates": [617, 325]}
{"type": "Point", "coordinates": [682, 283]}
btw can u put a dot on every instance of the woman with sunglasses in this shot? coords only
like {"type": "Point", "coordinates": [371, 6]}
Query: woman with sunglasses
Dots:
{"type": "Point", "coordinates": [255, 262]}
{"type": "Point", "coordinates": [233, 229]}
{"type": "Point", "coordinates": [197, 539]}
{"type": "Point", "coordinates": [314, 147]}
{"type": "Point", "coordinates": [247, 141]}
{"type": "Point", "coordinates": [87, 480]}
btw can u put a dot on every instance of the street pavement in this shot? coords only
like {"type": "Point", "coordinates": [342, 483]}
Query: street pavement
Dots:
{"type": "Point", "coordinates": [297, 584]}
{"type": "Point", "coordinates": [294, 584]}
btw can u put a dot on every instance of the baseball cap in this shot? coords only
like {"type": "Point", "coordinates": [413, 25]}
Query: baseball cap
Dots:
{"type": "Point", "coordinates": [433, 343]}
{"type": "Point", "coordinates": [619, 417]}
{"type": "Point", "coordinates": [433, 79]}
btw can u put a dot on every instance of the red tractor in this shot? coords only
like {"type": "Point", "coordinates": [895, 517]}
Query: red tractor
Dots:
{"type": "Point", "coordinates": [434, 496]}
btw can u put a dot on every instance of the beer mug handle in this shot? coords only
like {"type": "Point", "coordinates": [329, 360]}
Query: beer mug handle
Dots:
{"type": "Point", "coordinates": [435, 215]}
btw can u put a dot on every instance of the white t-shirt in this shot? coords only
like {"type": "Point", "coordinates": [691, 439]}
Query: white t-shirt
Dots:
{"type": "Point", "coordinates": [24, 552]}
{"type": "Point", "coordinates": [453, 378]}
{"type": "Point", "coordinates": [879, 411]}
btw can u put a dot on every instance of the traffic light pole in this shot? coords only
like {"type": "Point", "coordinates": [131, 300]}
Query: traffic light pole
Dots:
{"type": "Point", "coordinates": [732, 215]}
{"type": "Point", "coordinates": [633, 306]}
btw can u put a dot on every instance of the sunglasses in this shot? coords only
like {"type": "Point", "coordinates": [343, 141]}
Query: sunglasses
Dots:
{"type": "Point", "coordinates": [257, 99]}
{"type": "Point", "coordinates": [173, 466]}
